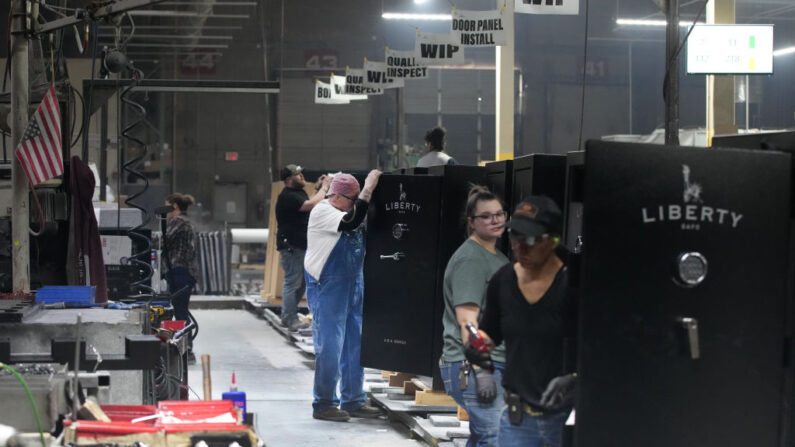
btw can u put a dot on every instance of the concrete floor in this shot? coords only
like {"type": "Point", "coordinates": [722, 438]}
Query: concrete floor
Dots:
{"type": "Point", "coordinates": [277, 379]}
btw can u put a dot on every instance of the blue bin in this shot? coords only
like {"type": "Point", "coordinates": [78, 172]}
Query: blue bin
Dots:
{"type": "Point", "coordinates": [77, 296]}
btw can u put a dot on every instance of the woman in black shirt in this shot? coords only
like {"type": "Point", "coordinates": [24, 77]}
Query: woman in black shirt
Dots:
{"type": "Point", "coordinates": [530, 306]}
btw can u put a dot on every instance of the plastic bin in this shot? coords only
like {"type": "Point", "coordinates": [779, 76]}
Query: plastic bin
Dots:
{"type": "Point", "coordinates": [78, 296]}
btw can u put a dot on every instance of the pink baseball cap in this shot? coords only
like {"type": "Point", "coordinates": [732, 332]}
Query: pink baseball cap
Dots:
{"type": "Point", "coordinates": [345, 185]}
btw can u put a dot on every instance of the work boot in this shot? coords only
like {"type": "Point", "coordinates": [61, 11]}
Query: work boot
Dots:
{"type": "Point", "coordinates": [366, 411]}
{"type": "Point", "coordinates": [333, 414]}
{"type": "Point", "coordinates": [297, 325]}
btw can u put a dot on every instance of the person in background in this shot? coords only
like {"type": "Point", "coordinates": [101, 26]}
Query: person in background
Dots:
{"type": "Point", "coordinates": [335, 293]}
{"type": "Point", "coordinates": [435, 143]}
{"type": "Point", "coordinates": [181, 260]}
{"type": "Point", "coordinates": [292, 216]}
{"type": "Point", "coordinates": [465, 280]}
{"type": "Point", "coordinates": [530, 306]}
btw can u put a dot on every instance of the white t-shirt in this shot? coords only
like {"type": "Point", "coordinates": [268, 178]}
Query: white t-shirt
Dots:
{"type": "Point", "coordinates": [433, 158]}
{"type": "Point", "coordinates": [321, 236]}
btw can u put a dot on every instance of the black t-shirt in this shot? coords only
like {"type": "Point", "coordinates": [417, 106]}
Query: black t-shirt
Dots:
{"type": "Point", "coordinates": [291, 220]}
{"type": "Point", "coordinates": [539, 338]}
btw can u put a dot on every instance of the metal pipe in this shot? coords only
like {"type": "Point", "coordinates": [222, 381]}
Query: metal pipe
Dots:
{"type": "Point", "coordinates": [103, 152]}
{"type": "Point", "coordinates": [672, 71]}
{"type": "Point", "coordinates": [20, 245]}
{"type": "Point", "coordinates": [75, 379]}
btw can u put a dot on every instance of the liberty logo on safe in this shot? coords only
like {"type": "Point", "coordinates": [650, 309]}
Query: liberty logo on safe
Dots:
{"type": "Point", "coordinates": [401, 205]}
{"type": "Point", "coordinates": [691, 214]}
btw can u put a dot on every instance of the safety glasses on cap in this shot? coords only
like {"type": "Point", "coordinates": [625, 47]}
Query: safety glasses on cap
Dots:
{"type": "Point", "coordinates": [530, 241]}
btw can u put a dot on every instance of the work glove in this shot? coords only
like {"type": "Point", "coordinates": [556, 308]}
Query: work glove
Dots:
{"type": "Point", "coordinates": [560, 392]}
{"type": "Point", "coordinates": [485, 385]}
{"type": "Point", "coordinates": [478, 358]}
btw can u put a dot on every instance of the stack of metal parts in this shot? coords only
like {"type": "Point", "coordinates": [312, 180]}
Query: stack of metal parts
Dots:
{"type": "Point", "coordinates": [48, 388]}
{"type": "Point", "coordinates": [213, 263]}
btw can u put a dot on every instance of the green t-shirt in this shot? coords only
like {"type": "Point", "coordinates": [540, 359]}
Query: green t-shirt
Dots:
{"type": "Point", "coordinates": [465, 280]}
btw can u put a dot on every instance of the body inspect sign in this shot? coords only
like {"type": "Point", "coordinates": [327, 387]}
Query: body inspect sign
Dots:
{"type": "Point", "coordinates": [323, 94]}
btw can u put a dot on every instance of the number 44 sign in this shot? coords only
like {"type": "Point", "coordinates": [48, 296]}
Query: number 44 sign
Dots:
{"type": "Point", "coordinates": [198, 63]}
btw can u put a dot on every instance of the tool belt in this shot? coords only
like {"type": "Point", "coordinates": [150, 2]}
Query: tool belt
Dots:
{"type": "Point", "coordinates": [517, 408]}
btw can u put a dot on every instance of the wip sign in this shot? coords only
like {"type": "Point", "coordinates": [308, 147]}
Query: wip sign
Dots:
{"type": "Point", "coordinates": [478, 28]}
{"type": "Point", "coordinates": [375, 76]}
{"type": "Point", "coordinates": [403, 64]}
{"type": "Point", "coordinates": [324, 94]}
{"type": "Point", "coordinates": [437, 49]}
{"type": "Point", "coordinates": [354, 83]}
{"type": "Point", "coordinates": [562, 7]}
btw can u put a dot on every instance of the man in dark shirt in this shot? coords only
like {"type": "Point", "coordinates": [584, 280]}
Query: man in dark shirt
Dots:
{"type": "Point", "coordinates": [292, 217]}
{"type": "Point", "coordinates": [531, 307]}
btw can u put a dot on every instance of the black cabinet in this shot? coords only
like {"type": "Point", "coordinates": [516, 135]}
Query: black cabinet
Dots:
{"type": "Point", "coordinates": [400, 279]}
{"type": "Point", "coordinates": [499, 178]}
{"type": "Point", "coordinates": [416, 223]}
{"type": "Point", "coordinates": [539, 175]}
{"type": "Point", "coordinates": [683, 297]}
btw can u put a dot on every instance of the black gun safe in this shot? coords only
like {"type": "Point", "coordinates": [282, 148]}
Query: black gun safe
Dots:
{"type": "Point", "coordinates": [416, 223]}
{"type": "Point", "coordinates": [540, 175]}
{"type": "Point", "coordinates": [499, 179]}
{"type": "Point", "coordinates": [683, 297]}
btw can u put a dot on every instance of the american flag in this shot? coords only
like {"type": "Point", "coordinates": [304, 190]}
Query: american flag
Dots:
{"type": "Point", "coordinates": [39, 152]}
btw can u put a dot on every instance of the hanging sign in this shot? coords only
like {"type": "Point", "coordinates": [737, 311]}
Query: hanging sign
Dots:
{"type": "Point", "coordinates": [338, 89]}
{"type": "Point", "coordinates": [323, 94]}
{"type": "Point", "coordinates": [562, 7]}
{"type": "Point", "coordinates": [375, 76]}
{"type": "Point", "coordinates": [354, 83]}
{"type": "Point", "coordinates": [479, 28]}
{"type": "Point", "coordinates": [437, 49]}
{"type": "Point", "coordinates": [403, 64]}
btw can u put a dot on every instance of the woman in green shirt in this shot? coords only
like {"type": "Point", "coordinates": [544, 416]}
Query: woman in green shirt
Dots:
{"type": "Point", "coordinates": [465, 280]}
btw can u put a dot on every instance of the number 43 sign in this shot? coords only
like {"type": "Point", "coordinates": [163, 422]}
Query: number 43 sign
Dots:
{"type": "Point", "coordinates": [320, 59]}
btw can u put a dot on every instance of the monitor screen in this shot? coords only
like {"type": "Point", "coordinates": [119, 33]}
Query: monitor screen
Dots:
{"type": "Point", "coordinates": [730, 49]}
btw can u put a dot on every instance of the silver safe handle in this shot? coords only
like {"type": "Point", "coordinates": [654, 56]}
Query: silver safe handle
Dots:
{"type": "Point", "coordinates": [397, 256]}
{"type": "Point", "coordinates": [690, 325]}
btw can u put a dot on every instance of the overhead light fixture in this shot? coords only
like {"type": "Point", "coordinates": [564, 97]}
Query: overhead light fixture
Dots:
{"type": "Point", "coordinates": [784, 51]}
{"type": "Point", "coordinates": [642, 22]}
{"type": "Point", "coordinates": [412, 16]}
{"type": "Point", "coordinates": [419, 2]}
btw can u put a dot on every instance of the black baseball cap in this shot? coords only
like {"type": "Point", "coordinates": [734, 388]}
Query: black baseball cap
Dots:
{"type": "Point", "coordinates": [536, 215]}
{"type": "Point", "coordinates": [290, 170]}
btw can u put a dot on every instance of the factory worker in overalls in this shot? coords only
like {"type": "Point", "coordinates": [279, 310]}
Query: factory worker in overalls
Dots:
{"type": "Point", "coordinates": [335, 292]}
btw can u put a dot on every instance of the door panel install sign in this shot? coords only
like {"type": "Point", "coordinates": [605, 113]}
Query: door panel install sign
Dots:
{"type": "Point", "coordinates": [478, 28]}
{"type": "Point", "coordinates": [403, 64]}
{"type": "Point", "coordinates": [354, 83]}
{"type": "Point", "coordinates": [438, 49]}
{"type": "Point", "coordinates": [562, 7]}
{"type": "Point", "coordinates": [375, 76]}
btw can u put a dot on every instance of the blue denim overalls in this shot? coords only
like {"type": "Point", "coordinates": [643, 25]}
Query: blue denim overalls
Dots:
{"type": "Point", "coordinates": [335, 300]}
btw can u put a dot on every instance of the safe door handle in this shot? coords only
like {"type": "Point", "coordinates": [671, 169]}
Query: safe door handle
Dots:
{"type": "Point", "coordinates": [690, 325]}
{"type": "Point", "coordinates": [397, 256]}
